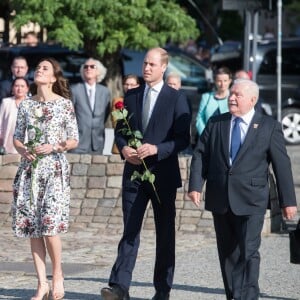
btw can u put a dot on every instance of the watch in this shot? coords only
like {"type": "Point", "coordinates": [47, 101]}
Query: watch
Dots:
{"type": "Point", "coordinates": [54, 149]}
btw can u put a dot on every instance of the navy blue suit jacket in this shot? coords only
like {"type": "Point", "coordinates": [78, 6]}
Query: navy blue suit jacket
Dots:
{"type": "Point", "coordinates": [168, 129]}
{"type": "Point", "coordinates": [242, 186]}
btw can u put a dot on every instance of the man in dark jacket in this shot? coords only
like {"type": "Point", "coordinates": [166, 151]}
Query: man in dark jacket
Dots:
{"type": "Point", "coordinates": [233, 156]}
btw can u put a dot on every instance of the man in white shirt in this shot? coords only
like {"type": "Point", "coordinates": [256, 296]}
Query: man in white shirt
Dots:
{"type": "Point", "coordinates": [232, 156]}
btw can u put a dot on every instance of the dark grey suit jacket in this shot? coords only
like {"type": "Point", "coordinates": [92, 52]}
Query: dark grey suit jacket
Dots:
{"type": "Point", "coordinates": [91, 123]}
{"type": "Point", "coordinates": [243, 186]}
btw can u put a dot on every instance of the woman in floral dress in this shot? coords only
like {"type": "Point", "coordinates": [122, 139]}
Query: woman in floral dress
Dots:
{"type": "Point", "coordinates": [41, 188]}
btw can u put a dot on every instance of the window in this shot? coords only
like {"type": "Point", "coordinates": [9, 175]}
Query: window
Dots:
{"type": "Point", "coordinates": [290, 62]}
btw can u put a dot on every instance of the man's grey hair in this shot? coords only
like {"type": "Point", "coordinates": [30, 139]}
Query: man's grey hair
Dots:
{"type": "Point", "coordinates": [100, 67]}
{"type": "Point", "coordinates": [173, 75]}
{"type": "Point", "coordinates": [251, 85]}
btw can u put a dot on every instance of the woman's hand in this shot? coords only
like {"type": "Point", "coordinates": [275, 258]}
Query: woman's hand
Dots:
{"type": "Point", "coordinates": [43, 149]}
{"type": "Point", "coordinates": [25, 153]}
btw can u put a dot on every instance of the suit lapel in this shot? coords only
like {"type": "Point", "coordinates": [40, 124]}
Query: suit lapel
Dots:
{"type": "Point", "coordinates": [225, 129]}
{"type": "Point", "coordinates": [139, 107]}
{"type": "Point", "coordinates": [98, 97]}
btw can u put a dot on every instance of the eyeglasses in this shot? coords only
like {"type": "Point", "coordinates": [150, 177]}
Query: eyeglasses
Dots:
{"type": "Point", "coordinates": [90, 66]}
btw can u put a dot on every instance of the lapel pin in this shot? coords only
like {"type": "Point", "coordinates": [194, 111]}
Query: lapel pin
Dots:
{"type": "Point", "coordinates": [255, 125]}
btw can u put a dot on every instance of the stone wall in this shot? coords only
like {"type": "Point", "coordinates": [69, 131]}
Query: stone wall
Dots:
{"type": "Point", "coordinates": [96, 196]}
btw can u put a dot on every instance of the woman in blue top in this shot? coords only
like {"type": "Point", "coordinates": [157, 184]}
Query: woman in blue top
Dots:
{"type": "Point", "coordinates": [215, 102]}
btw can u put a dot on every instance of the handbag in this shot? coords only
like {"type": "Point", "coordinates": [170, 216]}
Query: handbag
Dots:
{"type": "Point", "coordinates": [294, 237]}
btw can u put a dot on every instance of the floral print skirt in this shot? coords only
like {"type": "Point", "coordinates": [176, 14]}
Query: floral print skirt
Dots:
{"type": "Point", "coordinates": [41, 197]}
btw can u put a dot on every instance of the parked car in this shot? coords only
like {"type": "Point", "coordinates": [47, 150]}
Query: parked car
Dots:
{"type": "Point", "coordinates": [228, 54]}
{"type": "Point", "coordinates": [69, 60]}
{"type": "Point", "coordinates": [266, 77]}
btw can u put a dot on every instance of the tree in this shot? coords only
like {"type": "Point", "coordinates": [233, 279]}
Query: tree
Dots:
{"type": "Point", "coordinates": [293, 6]}
{"type": "Point", "coordinates": [104, 27]}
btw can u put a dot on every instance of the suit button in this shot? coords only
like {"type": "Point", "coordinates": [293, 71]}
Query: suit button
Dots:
{"type": "Point", "coordinates": [230, 173]}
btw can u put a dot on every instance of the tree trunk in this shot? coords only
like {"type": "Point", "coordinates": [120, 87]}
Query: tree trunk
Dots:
{"type": "Point", "coordinates": [113, 80]}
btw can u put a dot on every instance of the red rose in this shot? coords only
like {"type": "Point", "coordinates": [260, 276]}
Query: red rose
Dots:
{"type": "Point", "coordinates": [119, 105]}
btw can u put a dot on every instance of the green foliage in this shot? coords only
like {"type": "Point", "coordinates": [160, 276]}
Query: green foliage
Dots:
{"type": "Point", "coordinates": [105, 26]}
{"type": "Point", "coordinates": [32, 143]}
{"type": "Point", "coordinates": [146, 176]}
{"type": "Point", "coordinates": [293, 6]}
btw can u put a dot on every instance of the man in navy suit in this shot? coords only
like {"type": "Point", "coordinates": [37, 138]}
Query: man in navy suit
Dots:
{"type": "Point", "coordinates": [165, 134]}
{"type": "Point", "coordinates": [237, 190]}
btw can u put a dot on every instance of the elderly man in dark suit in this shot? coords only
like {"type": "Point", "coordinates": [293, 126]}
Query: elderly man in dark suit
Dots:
{"type": "Point", "coordinates": [233, 156]}
{"type": "Point", "coordinates": [92, 102]}
{"type": "Point", "coordinates": [162, 114]}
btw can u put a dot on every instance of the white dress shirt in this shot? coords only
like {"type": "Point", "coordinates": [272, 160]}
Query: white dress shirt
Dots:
{"type": "Point", "coordinates": [154, 94]}
{"type": "Point", "coordinates": [91, 91]}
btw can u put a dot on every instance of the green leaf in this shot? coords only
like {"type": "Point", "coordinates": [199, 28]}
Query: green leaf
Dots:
{"type": "Point", "coordinates": [152, 178]}
{"type": "Point", "coordinates": [138, 134]}
{"type": "Point", "coordinates": [125, 113]}
{"type": "Point", "coordinates": [123, 131]}
{"type": "Point", "coordinates": [117, 115]}
{"type": "Point", "coordinates": [135, 175]}
{"type": "Point", "coordinates": [133, 143]}
{"type": "Point", "coordinates": [138, 143]}
{"type": "Point", "coordinates": [34, 163]}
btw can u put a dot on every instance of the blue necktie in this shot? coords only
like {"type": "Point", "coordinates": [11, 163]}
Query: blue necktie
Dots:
{"type": "Point", "coordinates": [235, 138]}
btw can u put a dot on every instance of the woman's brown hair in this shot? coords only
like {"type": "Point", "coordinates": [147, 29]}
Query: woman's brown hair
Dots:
{"type": "Point", "coordinates": [61, 85]}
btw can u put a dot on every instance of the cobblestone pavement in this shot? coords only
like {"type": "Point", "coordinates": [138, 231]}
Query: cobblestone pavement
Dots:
{"type": "Point", "coordinates": [89, 254]}
{"type": "Point", "coordinates": [88, 257]}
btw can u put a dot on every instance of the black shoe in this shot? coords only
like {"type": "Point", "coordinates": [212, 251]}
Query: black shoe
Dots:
{"type": "Point", "coordinates": [161, 296]}
{"type": "Point", "coordinates": [114, 292]}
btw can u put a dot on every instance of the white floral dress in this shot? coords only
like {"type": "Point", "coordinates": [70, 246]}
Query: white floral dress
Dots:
{"type": "Point", "coordinates": [41, 190]}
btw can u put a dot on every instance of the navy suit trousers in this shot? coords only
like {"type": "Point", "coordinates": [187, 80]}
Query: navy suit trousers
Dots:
{"type": "Point", "coordinates": [238, 241]}
{"type": "Point", "coordinates": [135, 199]}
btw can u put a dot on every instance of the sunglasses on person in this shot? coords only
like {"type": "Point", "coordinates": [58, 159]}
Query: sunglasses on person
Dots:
{"type": "Point", "coordinates": [90, 66]}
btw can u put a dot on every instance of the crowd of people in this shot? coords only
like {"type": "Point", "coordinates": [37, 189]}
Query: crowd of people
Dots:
{"type": "Point", "coordinates": [236, 145]}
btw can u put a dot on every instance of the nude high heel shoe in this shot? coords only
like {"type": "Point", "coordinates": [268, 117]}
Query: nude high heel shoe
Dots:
{"type": "Point", "coordinates": [58, 292]}
{"type": "Point", "coordinates": [42, 292]}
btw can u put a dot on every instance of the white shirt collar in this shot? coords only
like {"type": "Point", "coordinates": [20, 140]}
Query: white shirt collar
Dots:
{"type": "Point", "coordinates": [156, 87]}
{"type": "Point", "coordinates": [247, 118]}
{"type": "Point", "coordinates": [90, 87]}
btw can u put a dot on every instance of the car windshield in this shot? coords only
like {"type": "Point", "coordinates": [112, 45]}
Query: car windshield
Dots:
{"type": "Point", "coordinates": [192, 73]}
{"type": "Point", "coordinates": [189, 71]}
